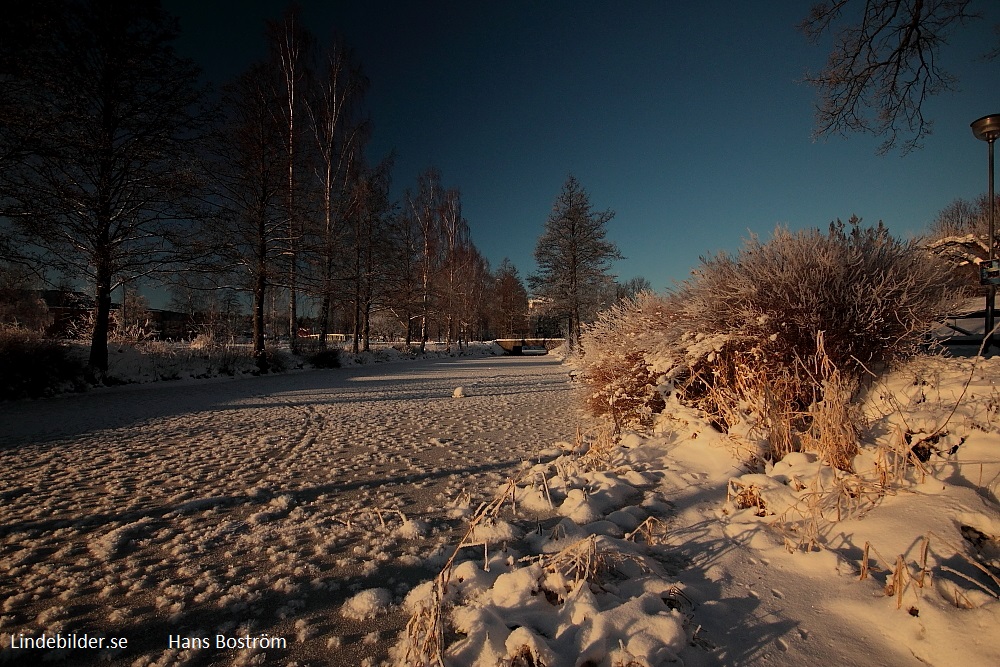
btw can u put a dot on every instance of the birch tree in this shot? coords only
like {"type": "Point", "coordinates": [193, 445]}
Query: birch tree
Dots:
{"type": "Point", "coordinates": [340, 134]}
{"type": "Point", "coordinates": [456, 258]}
{"type": "Point", "coordinates": [425, 207]}
{"type": "Point", "coordinates": [291, 48]}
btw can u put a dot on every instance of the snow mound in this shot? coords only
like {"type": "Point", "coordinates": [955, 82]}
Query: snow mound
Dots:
{"type": "Point", "coordinates": [367, 604]}
{"type": "Point", "coordinates": [116, 542]}
{"type": "Point", "coordinates": [411, 529]}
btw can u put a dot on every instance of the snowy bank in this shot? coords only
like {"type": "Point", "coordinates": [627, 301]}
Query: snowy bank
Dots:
{"type": "Point", "coordinates": [665, 548]}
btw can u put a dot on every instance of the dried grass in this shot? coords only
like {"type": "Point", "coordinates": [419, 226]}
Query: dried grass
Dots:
{"type": "Point", "coordinates": [524, 657]}
{"type": "Point", "coordinates": [900, 577]}
{"type": "Point", "coordinates": [601, 445]}
{"type": "Point", "coordinates": [652, 530]}
{"type": "Point", "coordinates": [424, 634]}
{"type": "Point", "coordinates": [742, 496]}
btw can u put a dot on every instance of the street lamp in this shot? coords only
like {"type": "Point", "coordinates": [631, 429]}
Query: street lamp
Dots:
{"type": "Point", "coordinates": [987, 129]}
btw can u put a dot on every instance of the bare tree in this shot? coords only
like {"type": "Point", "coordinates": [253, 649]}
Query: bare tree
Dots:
{"type": "Point", "coordinates": [247, 231]}
{"type": "Point", "coordinates": [574, 258]}
{"type": "Point", "coordinates": [371, 220]}
{"type": "Point", "coordinates": [97, 192]}
{"type": "Point", "coordinates": [884, 66]}
{"type": "Point", "coordinates": [473, 292]}
{"type": "Point", "coordinates": [402, 273]}
{"type": "Point", "coordinates": [21, 302]}
{"type": "Point", "coordinates": [631, 288]}
{"type": "Point", "coordinates": [456, 259]}
{"type": "Point", "coordinates": [425, 207]}
{"type": "Point", "coordinates": [510, 301]}
{"type": "Point", "coordinates": [26, 47]}
{"type": "Point", "coordinates": [340, 133]}
{"type": "Point", "coordinates": [291, 47]}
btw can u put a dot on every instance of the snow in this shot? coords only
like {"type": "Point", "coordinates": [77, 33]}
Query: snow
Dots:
{"type": "Point", "coordinates": [367, 604]}
{"type": "Point", "coordinates": [321, 507]}
{"type": "Point", "coordinates": [675, 553]}
{"type": "Point", "coordinates": [197, 507]}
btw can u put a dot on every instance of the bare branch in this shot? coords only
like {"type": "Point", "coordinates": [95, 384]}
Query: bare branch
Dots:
{"type": "Point", "coordinates": [883, 68]}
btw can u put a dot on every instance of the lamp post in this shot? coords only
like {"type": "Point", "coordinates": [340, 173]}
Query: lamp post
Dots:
{"type": "Point", "coordinates": [987, 129]}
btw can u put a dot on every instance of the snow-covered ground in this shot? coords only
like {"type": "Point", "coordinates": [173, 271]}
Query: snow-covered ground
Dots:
{"type": "Point", "coordinates": [667, 550]}
{"type": "Point", "coordinates": [255, 505]}
{"type": "Point", "coordinates": [317, 507]}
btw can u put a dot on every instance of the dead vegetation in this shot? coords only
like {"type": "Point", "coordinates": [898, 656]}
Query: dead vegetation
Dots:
{"type": "Point", "coordinates": [902, 575]}
{"type": "Point", "coordinates": [778, 336]}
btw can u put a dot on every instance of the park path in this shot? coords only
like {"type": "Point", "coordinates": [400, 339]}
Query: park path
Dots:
{"type": "Point", "coordinates": [256, 506]}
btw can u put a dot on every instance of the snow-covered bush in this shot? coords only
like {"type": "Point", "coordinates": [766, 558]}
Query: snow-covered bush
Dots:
{"type": "Point", "coordinates": [614, 354]}
{"type": "Point", "coordinates": [777, 335]}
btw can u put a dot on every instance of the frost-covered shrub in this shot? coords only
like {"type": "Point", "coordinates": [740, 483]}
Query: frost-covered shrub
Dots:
{"type": "Point", "coordinates": [33, 366]}
{"type": "Point", "coordinates": [205, 340]}
{"type": "Point", "coordinates": [757, 336]}
{"type": "Point", "coordinates": [614, 355]}
{"type": "Point", "coordinates": [872, 296]}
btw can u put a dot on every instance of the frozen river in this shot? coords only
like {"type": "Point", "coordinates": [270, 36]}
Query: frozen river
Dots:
{"type": "Point", "coordinates": [168, 513]}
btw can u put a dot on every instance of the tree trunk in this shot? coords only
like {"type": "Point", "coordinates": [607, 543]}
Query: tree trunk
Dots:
{"type": "Point", "coordinates": [259, 298]}
{"type": "Point", "coordinates": [366, 324]}
{"type": "Point", "coordinates": [328, 257]}
{"type": "Point", "coordinates": [293, 318]}
{"type": "Point", "coordinates": [259, 350]}
{"type": "Point", "coordinates": [423, 326]}
{"type": "Point", "coordinates": [356, 344]}
{"type": "Point", "coordinates": [324, 316]}
{"type": "Point", "coordinates": [98, 361]}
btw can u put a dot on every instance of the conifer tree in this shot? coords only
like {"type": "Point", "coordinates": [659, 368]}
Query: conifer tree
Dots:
{"type": "Point", "coordinates": [574, 258]}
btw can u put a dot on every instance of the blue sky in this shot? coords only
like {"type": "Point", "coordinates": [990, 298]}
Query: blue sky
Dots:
{"type": "Point", "coordinates": [687, 119]}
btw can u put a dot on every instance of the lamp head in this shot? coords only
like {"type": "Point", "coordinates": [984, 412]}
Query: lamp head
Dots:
{"type": "Point", "coordinates": [987, 128]}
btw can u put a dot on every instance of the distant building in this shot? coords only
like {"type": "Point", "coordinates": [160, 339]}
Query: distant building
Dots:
{"type": "Point", "coordinates": [173, 325]}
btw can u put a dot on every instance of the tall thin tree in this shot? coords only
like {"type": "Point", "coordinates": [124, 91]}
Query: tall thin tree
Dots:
{"type": "Point", "coordinates": [340, 132]}
{"type": "Point", "coordinates": [425, 207]}
{"type": "Point", "coordinates": [291, 46]}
